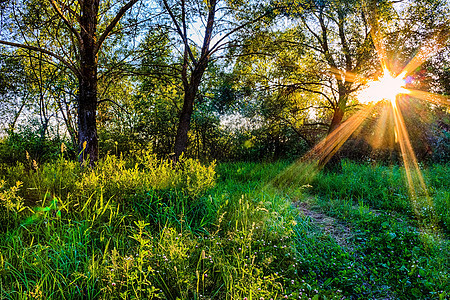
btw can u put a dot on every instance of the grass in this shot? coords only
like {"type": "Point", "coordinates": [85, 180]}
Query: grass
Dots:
{"type": "Point", "coordinates": [138, 228]}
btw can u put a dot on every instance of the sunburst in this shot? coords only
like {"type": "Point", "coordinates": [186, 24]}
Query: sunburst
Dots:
{"type": "Point", "coordinates": [387, 87]}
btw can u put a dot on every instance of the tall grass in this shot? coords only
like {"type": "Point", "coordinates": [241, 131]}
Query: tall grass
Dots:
{"type": "Point", "coordinates": [142, 228]}
{"type": "Point", "coordinates": [384, 187]}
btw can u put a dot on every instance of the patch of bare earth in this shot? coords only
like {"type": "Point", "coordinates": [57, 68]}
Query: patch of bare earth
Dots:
{"type": "Point", "coordinates": [340, 232]}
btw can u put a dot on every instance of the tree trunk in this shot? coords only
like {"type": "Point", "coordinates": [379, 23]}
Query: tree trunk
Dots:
{"type": "Point", "coordinates": [333, 163]}
{"type": "Point", "coordinates": [338, 115]}
{"type": "Point", "coordinates": [87, 125]}
{"type": "Point", "coordinates": [191, 87]}
{"type": "Point", "coordinates": [87, 94]}
{"type": "Point", "coordinates": [181, 140]}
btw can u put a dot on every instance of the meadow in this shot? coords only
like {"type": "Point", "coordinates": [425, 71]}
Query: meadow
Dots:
{"type": "Point", "coordinates": [141, 228]}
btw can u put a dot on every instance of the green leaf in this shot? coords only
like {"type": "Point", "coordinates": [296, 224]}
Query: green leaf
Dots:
{"type": "Point", "coordinates": [391, 235]}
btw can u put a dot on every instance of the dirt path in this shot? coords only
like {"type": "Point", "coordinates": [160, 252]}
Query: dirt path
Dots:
{"type": "Point", "coordinates": [340, 232]}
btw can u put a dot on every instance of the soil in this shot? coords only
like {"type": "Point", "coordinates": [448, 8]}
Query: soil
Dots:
{"type": "Point", "coordinates": [339, 231]}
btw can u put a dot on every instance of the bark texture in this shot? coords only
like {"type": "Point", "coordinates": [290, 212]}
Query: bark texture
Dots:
{"type": "Point", "coordinates": [181, 140]}
{"type": "Point", "coordinates": [87, 80]}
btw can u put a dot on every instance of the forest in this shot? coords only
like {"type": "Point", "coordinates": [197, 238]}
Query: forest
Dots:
{"type": "Point", "coordinates": [224, 149]}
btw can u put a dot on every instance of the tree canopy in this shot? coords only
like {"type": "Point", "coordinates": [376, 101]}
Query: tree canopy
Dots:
{"type": "Point", "coordinates": [217, 79]}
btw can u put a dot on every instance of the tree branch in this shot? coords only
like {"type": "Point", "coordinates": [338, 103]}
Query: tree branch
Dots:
{"type": "Point", "coordinates": [33, 48]}
{"type": "Point", "coordinates": [214, 48]}
{"type": "Point", "coordinates": [297, 86]}
{"type": "Point", "coordinates": [180, 32]}
{"type": "Point", "coordinates": [114, 102]}
{"type": "Point", "coordinates": [66, 21]}
{"type": "Point", "coordinates": [209, 29]}
{"type": "Point", "coordinates": [113, 24]}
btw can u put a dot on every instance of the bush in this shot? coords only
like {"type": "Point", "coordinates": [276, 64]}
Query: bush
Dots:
{"type": "Point", "coordinates": [28, 143]}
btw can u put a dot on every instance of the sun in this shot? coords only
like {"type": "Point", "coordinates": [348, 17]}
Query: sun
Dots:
{"type": "Point", "coordinates": [387, 87]}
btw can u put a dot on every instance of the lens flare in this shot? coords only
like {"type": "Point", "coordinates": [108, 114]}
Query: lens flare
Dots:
{"type": "Point", "coordinates": [390, 88]}
{"type": "Point", "coordinates": [386, 87]}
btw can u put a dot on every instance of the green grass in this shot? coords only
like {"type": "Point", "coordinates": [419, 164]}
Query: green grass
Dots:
{"type": "Point", "coordinates": [138, 228]}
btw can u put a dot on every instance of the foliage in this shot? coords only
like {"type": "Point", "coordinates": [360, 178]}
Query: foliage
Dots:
{"type": "Point", "coordinates": [28, 139]}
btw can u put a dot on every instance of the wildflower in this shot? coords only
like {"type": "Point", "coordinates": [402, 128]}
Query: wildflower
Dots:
{"type": "Point", "coordinates": [113, 284]}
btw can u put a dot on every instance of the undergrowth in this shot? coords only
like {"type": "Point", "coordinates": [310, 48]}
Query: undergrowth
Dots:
{"type": "Point", "coordinates": [142, 228]}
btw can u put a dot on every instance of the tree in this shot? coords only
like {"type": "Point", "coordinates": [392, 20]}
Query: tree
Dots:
{"type": "Point", "coordinates": [338, 36]}
{"type": "Point", "coordinates": [218, 26]}
{"type": "Point", "coordinates": [75, 39]}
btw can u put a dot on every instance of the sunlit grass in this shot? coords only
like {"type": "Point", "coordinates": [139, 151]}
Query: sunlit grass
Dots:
{"type": "Point", "coordinates": [237, 236]}
{"type": "Point", "coordinates": [390, 86]}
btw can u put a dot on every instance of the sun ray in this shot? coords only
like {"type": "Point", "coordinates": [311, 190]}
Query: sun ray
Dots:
{"type": "Point", "coordinates": [407, 151]}
{"type": "Point", "coordinates": [334, 141]}
{"type": "Point", "coordinates": [376, 34]}
{"type": "Point", "coordinates": [312, 162]}
{"type": "Point", "coordinates": [380, 48]}
{"type": "Point", "coordinates": [430, 97]}
{"type": "Point", "coordinates": [344, 75]}
{"type": "Point", "coordinates": [416, 184]}
{"type": "Point", "coordinates": [381, 128]}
